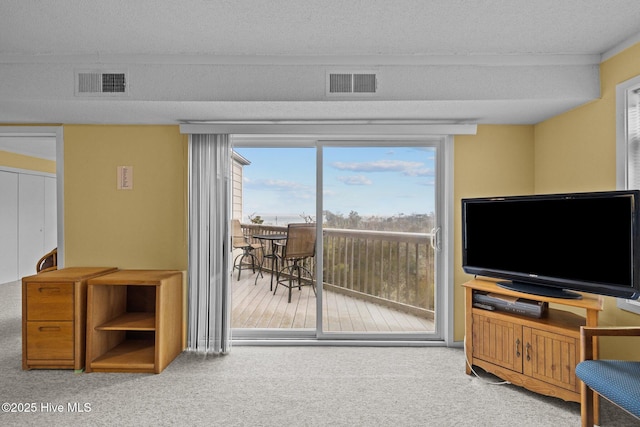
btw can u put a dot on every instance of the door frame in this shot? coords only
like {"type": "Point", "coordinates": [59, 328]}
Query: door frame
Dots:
{"type": "Point", "coordinates": [289, 130]}
{"type": "Point", "coordinates": [56, 132]}
{"type": "Point", "coordinates": [444, 289]}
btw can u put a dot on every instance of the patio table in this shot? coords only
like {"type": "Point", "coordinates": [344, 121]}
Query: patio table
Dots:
{"type": "Point", "coordinates": [273, 254]}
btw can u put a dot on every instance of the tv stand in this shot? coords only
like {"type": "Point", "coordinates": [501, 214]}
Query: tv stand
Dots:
{"type": "Point", "coordinates": [541, 290]}
{"type": "Point", "coordinates": [537, 354]}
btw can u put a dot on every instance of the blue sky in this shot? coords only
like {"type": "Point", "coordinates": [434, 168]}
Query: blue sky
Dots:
{"type": "Point", "coordinates": [381, 181]}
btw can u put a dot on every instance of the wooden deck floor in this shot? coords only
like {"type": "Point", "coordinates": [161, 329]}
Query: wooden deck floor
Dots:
{"type": "Point", "coordinates": [254, 306]}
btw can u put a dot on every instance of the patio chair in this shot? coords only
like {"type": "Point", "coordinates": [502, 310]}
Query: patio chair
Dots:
{"type": "Point", "coordinates": [616, 380]}
{"type": "Point", "coordinates": [247, 259]}
{"type": "Point", "coordinates": [300, 246]}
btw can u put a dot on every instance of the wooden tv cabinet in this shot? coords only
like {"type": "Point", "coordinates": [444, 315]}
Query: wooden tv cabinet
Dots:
{"type": "Point", "coordinates": [54, 305]}
{"type": "Point", "coordinates": [134, 321]}
{"type": "Point", "coordinates": [537, 354]}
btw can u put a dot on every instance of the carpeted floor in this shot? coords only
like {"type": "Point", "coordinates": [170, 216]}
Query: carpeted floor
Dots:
{"type": "Point", "coordinates": [275, 386]}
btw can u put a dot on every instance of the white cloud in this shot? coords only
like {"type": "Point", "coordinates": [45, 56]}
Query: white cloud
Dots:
{"type": "Point", "coordinates": [275, 184]}
{"type": "Point", "coordinates": [355, 180]}
{"type": "Point", "coordinates": [402, 166]}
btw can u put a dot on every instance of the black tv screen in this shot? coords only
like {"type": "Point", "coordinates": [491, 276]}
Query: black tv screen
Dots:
{"type": "Point", "coordinates": [549, 243]}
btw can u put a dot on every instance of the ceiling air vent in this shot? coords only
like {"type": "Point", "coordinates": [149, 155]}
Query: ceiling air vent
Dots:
{"type": "Point", "coordinates": [101, 83]}
{"type": "Point", "coordinates": [354, 83]}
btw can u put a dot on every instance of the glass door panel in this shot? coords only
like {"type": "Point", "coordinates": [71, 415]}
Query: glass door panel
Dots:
{"type": "Point", "coordinates": [272, 187]}
{"type": "Point", "coordinates": [379, 210]}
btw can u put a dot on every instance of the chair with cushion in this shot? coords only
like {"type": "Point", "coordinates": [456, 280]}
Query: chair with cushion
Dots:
{"type": "Point", "coordinates": [247, 259]}
{"type": "Point", "coordinates": [616, 380]}
{"type": "Point", "coordinates": [300, 246]}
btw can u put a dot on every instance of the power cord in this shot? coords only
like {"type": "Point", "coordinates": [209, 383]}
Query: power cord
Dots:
{"type": "Point", "coordinates": [474, 372]}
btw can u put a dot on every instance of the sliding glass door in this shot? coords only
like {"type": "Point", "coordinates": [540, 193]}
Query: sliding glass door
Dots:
{"type": "Point", "coordinates": [377, 210]}
{"type": "Point", "coordinates": [379, 268]}
{"type": "Point", "coordinates": [273, 187]}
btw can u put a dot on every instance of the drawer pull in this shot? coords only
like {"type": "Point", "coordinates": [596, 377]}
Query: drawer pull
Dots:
{"type": "Point", "coordinates": [49, 289]}
{"type": "Point", "coordinates": [49, 328]}
{"type": "Point", "coordinates": [518, 347]}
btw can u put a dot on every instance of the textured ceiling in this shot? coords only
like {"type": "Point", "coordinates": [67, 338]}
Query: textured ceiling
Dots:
{"type": "Point", "coordinates": [163, 42]}
{"type": "Point", "coordinates": [315, 27]}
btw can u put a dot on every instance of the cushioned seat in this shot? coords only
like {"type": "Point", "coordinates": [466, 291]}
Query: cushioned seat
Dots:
{"type": "Point", "coordinates": [616, 380]}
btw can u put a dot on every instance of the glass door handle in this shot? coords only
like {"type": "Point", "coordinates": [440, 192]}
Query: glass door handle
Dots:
{"type": "Point", "coordinates": [435, 238]}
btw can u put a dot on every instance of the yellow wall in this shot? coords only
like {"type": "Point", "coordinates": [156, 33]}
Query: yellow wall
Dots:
{"type": "Point", "coordinates": [20, 161]}
{"type": "Point", "coordinates": [142, 228]}
{"type": "Point", "coordinates": [575, 151]}
{"type": "Point", "coordinates": [147, 227]}
{"type": "Point", "coordinates": [497, 161]}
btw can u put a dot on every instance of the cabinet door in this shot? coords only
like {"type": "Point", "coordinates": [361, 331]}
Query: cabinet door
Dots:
{"type": "Point", "coordinates": [551, 358]}
{"type": "Point", "coordinates": [497, 341]}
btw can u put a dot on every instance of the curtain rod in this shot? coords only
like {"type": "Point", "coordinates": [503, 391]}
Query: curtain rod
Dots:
{"type": "Point", "coordinates": [331, 127]}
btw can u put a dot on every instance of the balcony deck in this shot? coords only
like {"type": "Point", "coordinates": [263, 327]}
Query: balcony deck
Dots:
{"type": "Point", "coordinates": [254, 306]}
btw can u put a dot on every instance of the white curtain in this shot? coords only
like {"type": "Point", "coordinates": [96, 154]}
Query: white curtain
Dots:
{"type": "Point", "coordinates": [209, 295]}
{"type": "Point", "coordinates": [633, 138]}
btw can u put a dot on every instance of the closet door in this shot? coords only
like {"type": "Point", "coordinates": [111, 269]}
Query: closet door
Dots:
{"type": "Point", "coordinates": [30, 223]}
{"type": "Point", "coordinates": [8, 227]}
{"type": "Point", "coordinates": [50, 215]}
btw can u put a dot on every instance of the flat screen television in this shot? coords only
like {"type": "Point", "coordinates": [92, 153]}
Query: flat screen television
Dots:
{"type": "Point", "coordinates": [553, 244]}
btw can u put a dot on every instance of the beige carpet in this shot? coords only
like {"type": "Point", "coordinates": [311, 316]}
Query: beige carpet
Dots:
{"type": "Point", "coordinates": [275, 386]}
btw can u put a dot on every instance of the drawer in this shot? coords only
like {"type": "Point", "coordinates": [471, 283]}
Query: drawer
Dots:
{"type": "Point", "coordinates": [50, 340]}
{"type": "Point", "coordinates": [49, 301]}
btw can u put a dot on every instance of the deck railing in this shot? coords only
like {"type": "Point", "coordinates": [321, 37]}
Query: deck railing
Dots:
{"type": "Point", "coordinates": [389, 268]}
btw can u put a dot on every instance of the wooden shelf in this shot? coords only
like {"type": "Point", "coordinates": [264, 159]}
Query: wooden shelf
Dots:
{"type": "Point", "coordinates": [134, 321]}
{"type": "Point", "coordinates": [130, 322]}
{"type": "Point", "coordinates": [587, 302]}
{"type": "Point", "coordinates": [128, 356]}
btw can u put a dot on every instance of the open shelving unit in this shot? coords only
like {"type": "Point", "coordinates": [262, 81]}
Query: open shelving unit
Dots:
{"type": "Point", "coordinates": [134, 321]}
